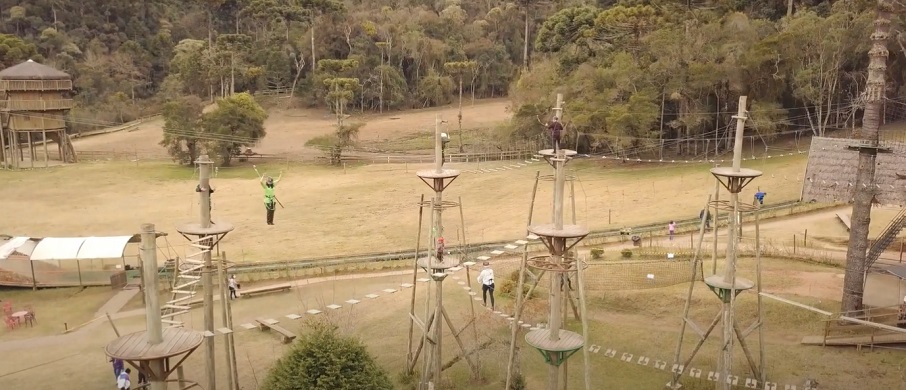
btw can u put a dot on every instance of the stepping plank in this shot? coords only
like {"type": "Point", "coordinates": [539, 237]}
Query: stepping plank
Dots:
{"type": "Point", "coordinates": [177, 300]}
{"type": "Point", "coordinates": [483, 258]}
{"type": "Point", "coordinates": [193, 261]}
{"type": "Point", "coordinates": [353, 301]}
{"type": "Point", "coordinates": [695, 372]}
{"type": "Point", "coordinates": [171, 322]}
{"type": "Point", "coordinates": [643, 360]}
{"type": "Point", "coordinates": [293, 316]}
{"type": "Point", "coordinates": [208, 333]}
{"type": "Point", "coordinates": [313, 311]}
{"type": "Point", "coordinates": [372, 296]}
{"type": "Point", "coordinates": [521, 242]}
{"type": "Point", "coordinates": [424, 280]}
{"type": "Point", "coordinates": [468, 263]}
{"type": "Point", "coordinates": [467, 288]}
{"type": "Point", "coordinates": [461, 283]}
{"type": "Point", "coordinates": [510, 246]}
{"type": "Point", "coordinates": [389, 290]}
{"type": "Point", "coordinates": [497, 252]}
{"type": "Point", "coordinates": [473, 293]}
{"type": "Point", "coordinates": [532, 236]}
{"type": "Point", "coordinates": [174, 314]}
{"type": "Point", "coordinates": [187, 284]}
{"type": "Point", "coordinates": [248, 326]}
{"type": "Point", "coordinates": [176, 307]}
{"type": "Point", "coordinates": [334, 307]}
{"type": "Point", "coordinates": [225, 330]}
{"type": "Point", "coordinates": [406, 285]}
{"type": "Point", "coordinates": [438, 274]}
{"type": "Point", "coordinates": [183, 292]}
{"type": "Point", "coordinates": [526, 326]}
{"type": "Point", "coordinates": [184, 276]}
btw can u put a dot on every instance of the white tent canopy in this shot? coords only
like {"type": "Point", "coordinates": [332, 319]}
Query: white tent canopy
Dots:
{"type": "Point", "coordinates": [80, 248]}
{"type": "Point", "coordinates": [12, 245]}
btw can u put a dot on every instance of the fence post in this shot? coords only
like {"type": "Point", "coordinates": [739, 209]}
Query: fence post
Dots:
{"type": "Point", "coordinates": [901, 250]}
{"type": "Point", "coordinates": [794, 244]}
{"type": "Point", "coordinates": [805, 239]}
{"type": "Point", "coordinates": [608, 216]}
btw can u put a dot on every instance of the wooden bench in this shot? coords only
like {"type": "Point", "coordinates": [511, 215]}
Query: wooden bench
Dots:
{"type": "Point", "coordinates": [845, 219]}
{"type": "Point", "coordinates": [264, 290]}
{"type": "Point", "coordinates": [265, 324]}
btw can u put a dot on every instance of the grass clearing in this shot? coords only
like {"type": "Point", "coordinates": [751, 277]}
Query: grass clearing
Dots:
{"type": "Point", "coordinates": [53, 307]}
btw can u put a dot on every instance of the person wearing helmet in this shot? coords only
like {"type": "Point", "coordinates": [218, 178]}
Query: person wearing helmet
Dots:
{"type": "Point", "coordinates": [270, 197]}
{"type": "Point", "coordinates": [555, 127]}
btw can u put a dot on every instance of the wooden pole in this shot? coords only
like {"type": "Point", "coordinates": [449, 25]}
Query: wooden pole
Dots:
{"type": "Point", "coordinates": [761, 366]}
{"type": "Point", "coordinates": [580, 274]}
{"type": "Point", "coordinates": [227, 318]}
{"type": "Point", "coordinates": [411, 357]}
{"type": "Point", "coordinates": [78, 264]}
{"type": "Point", "coordinates": [34, 282]}
{"type": "Point", "coordinates": [152, 305]}
{"type": "Point", "coordinates": [716, 222]}
{"type": "Point", "coordinates": [3, 152]}
{"type": "Point", "coordinates": [514, 332]}
{"type": "Point", "coordinates": [204, 176]}
{"type": "Point", "coordinates": [476, 372]}
{"type": "Point", "coordinates": [696, 261]}
{"type": "Point", "coordinates": [31, 151]}
{"type": "Point", "coordinates": [44, 137]}
{"type": "Point", "coordinates": [110, 320]}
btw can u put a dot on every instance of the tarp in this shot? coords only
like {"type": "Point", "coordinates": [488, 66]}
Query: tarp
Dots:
{"type": "Point", "coordinates": [80, 248]}
{"type": "Point", "coordinates": [57, 248]}
{"type": "Point", "coordinates": [103, 247]}
{"type": "Point", "coordinates": [11, 245]}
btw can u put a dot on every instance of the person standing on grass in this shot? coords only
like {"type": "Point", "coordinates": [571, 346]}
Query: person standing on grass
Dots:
{"type": "Point", "coordinates": [123, 382]}
{"type": "Point", "coordinates": [117, 367]}
{"type": "Point", "coordinates": [671, 229]}
{"type": "Point", "coordinates": [234, 285]}
{"type": "Point", "coordinates": [706, 214]}
{"type": "Point", "coordinates": [270, 197]}
{"type": "Point", "coordinates": [486, 278]}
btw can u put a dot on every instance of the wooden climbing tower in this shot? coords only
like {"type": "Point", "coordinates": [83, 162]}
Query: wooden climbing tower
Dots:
{"type": "Point", "coordinates": [34, 102]}
{"type": "Point", "coordinates": [435, 264]}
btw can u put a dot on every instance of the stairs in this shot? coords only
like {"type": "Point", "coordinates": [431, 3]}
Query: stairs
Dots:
{"type": "Point", "coordinates": [69, 154]}
{"type": "Point", "coordinates": [886, 238]}
{"type": "Point", "coordinates": [187, 278]}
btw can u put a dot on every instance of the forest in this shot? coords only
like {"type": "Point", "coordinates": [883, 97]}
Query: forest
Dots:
{"type": "Point", "coordinates": [635, 72]}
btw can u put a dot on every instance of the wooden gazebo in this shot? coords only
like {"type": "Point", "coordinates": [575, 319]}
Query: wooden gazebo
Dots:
{"type": "Point", "coordinates": [34, 99]}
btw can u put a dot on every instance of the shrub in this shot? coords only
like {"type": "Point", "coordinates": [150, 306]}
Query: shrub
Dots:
{"type": "Point", "coordinates": [322, 359]}
{"type": "Point", "coordinates": [627, 253]}
{"type": "Point", "coordinates": [597, 253]}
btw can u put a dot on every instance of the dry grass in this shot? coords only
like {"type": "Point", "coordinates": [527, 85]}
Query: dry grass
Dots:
{"type": "Point", "coordinates": [54, 307]}
{"type": "Point", "coordinates": [366, 209]}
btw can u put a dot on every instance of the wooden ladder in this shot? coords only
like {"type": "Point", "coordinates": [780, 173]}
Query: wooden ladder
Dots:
{"type": "Point", "coordinates": [188, 277]}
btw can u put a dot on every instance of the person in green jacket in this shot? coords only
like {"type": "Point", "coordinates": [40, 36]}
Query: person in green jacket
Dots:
{"type": "Point", "coordinates": [270, 198]}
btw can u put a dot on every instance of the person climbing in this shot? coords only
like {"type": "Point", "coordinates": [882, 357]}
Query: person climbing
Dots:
{"type": "Point", "coordinates": [706, 214]}
{"type": "Point", "coordinates": [210, 190]}
{"type": "Point", "coordinates": [123, 382]}
{"type": "Point", "coordinates": [759, 197]}
{"type": "Point", "coordinates": [486, 278]}
{"type": "Point", "coordinates": [440, 249]}
{"type": "Point", "coordinates": [270, 198]}
{"type": "Point", "coordinates": [234, 285]}
{"type": "Point", "coordinates": [671, 229]}
{"type": "Point", "coordinates": [555, 128]}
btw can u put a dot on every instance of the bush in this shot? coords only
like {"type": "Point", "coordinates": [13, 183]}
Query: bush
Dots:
{"type": "Point", "coordinates": [322, 359]}
{"type": "Point", "coordinates": [597, 253]}
{"type": "Point", "coordinates": [627, 253]}
{"type": "Point", "coordinates": [508, 286]}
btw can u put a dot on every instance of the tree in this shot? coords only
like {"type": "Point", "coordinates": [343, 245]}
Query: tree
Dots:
{"type": "Point", "coordinates": [874, 96]}
{"type": "Point", "coordinates": [14, 50]}
{"type": "Point", "coordinates": [237, 121]}
{"type": "Point", "coordinates": [182, 126]}
{"type": "Point", "coordinates": [340, 91]}
{"type": "Point", "coordinates": [234, 45]}
{"type": "Point", "coordinates": [322, 359]}
{"type": "Point", "coordinates": [460, 69]}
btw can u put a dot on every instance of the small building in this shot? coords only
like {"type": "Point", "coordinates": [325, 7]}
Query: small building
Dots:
{"type": "Point", "coordinates": [34, 102]}
{"type": "Point", "coordinates": [831, 172]}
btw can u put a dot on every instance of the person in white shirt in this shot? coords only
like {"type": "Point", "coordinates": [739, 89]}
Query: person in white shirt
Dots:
{"type": "Point", "coordinates": [486, 278]}
{"type": "Point", "coordinates": [234, 285]}
{"type": "Point", "coordinates": [123, 382]}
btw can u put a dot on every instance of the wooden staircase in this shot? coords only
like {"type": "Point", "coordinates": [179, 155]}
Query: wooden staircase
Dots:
{"type": "Point", "coordinates": [886, 238]}
{"type": "Point", "coordinates": [187, 278]}
{"type": "Point", "coordinates": [65, 143]}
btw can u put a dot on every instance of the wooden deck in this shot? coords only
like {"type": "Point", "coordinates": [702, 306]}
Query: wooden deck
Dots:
{"type": "Point", "coordinates": [889, 338]}
{"type": "Point", "coordinates": [135, 346]}
{"type": "Point", "coordinates": [569, 341]}
{"type": "Point", "coordinates": [844, 218]}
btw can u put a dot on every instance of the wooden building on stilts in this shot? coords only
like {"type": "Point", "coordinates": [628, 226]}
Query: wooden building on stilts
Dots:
{"type": "Point", "coordinates": [34, 102]}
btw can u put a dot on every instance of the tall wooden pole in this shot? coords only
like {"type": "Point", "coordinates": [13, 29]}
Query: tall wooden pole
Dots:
{"type": "Point", "coordinates": [226, 321]}
{"type": "Point", "coordinates": [152, 303]}
{"type": "Point", "coordinates": [204, 177]}
{"type": "Point", "coordinates": [725, 364]}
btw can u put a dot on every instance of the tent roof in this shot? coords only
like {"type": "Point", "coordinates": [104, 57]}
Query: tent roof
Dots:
{"type": "Point", "coordinates": [23, 245]}
{"type": "Point", "coordinates": [30, 70]}
{"type": "Point", "coordinates": [80, 248]}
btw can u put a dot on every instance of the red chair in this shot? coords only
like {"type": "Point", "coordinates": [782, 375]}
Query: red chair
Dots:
{"type": "Point", "coordinates": [30, 318]}
{"type": "Point", "coordinates": [8, 308]}
{"type": "Point", "coordinates": [11, 323]}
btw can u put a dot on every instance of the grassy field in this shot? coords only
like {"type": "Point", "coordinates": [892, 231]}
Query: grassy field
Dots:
{"type": "Point", "coordinates": [53, 308]}
{"type": "Point", "coordinates": [360, 209]}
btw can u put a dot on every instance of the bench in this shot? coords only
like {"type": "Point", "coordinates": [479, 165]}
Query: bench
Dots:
{"type": "Point", "coordinates": [845, 219]}
{"type": "Point", "coordinates": [264, 290]}
{"type": "Point", "coordinates": [265, 324]}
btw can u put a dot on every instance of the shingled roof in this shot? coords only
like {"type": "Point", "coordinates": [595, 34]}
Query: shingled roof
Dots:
{"type": "Point", "coordinates": [831, 172]}
{"type": "Point", "coordinates": [30, 70]}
